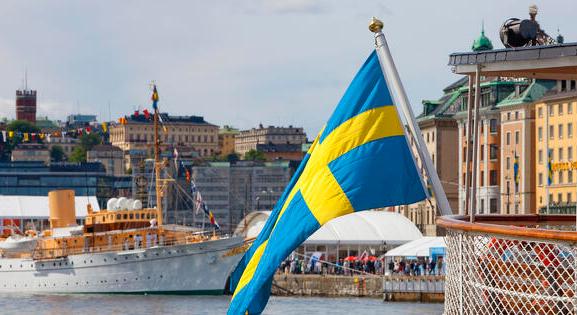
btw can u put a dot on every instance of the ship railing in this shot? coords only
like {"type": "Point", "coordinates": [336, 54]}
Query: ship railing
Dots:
{"type": "Point", "coordinates": [522, 264]}
{"type": "Point", "coordinates": [61, 250]}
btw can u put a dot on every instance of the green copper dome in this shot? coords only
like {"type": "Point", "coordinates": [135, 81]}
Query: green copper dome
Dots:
{"type": "Point", "coordinates": [482, 43]}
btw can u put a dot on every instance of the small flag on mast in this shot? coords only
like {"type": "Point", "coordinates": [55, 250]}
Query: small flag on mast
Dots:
{"type": "Point", "coordinates": [154, 97]}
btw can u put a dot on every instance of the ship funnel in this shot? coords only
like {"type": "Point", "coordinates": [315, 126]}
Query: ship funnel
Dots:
{"type": "Point", "coordinates": [62, 208]}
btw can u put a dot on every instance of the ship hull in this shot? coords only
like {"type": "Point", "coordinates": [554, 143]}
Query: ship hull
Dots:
{"type": "Point", "coordinates": [198, 268]}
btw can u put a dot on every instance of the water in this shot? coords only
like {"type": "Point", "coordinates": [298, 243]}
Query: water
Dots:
{"type": "Point", "coordinates": [164, 304]}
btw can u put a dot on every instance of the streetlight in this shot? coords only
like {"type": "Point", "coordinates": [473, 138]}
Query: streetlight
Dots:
{"type": "Point", "coordinates": [257, 203]}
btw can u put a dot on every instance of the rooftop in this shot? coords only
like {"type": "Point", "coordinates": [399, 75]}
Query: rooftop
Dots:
{"type": "Point", "coordinates": [557, 62]}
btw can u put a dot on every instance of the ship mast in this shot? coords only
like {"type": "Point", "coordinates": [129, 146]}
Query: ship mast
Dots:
{"type": "Point", "coordinates": [157, 163]}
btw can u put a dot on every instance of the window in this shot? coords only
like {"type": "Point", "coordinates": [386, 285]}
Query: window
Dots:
{"type": "Point", "coordinates": [560, 177]}
{"type": "Point", "coordinates": [508, 163]}
{"type": "Point", "coordinates": [560, 157]}
{"type": "Point", "coordinates": [551, 132]}
{"type": "Point", "coordinates": [550, 110]}
{"type": "Point", "coordinates": [570, 108]}
{"type": "Point", "coordinates": [494, 151]}
{"type": "Point", "coordinates": [427, 137]}
{"type": "Point", "coordinates": [493, 177]}
{"type": "Point", "coordinates": [559, 197]}
{"type": "Point", "coordinates": [570, 130]}
{"type": "Point", "coordinates": [570, 176]}
{"type": "Point", "coordinates": [560, 109]}
{"type": "Point", "coordinates": [482, 179]}
{"type": "Point", "coordinates": [493, 205]}
{"type": "Point", "coordinates": [560, 133]}
{"type": "Point", "coordinates": [540, 156]}
{"type": "Point", "coordinates": [540, 134]}
{"type": "Point", "coordinates": [508, 115]}
{"type": "Point", "coordinates": [569, 198]}
{"type": "Point", "coordinates": [540, 112]}
{"type": "Point", "coordinates": [516, 137]}
{"type": "Point", "coordinates": [482, 153]}
{"type": "Point", "coordinates": [493, 125]}
{"type": "Point", "coordinates": [508, 138]}
{"type": "Point", "coordinates": [570, 153]}
{"type": "Point", "coordinates": [551, 155]}
{"type": "Point", "coordinates": [540, 179]}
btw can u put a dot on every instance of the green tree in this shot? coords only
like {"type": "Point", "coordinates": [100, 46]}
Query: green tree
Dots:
{"type": "Point", "coordinates": [22, 126]}
{"type": "Point", "coordinates": [233, 157]}
{"type": "Point", "coordinates": [88, 141]}
{"type": "Point", "coordinates": [57, 153]}
{"type": "Point", "coordinates": [254, 155]}
{"type": "Point", "coordinates": [78, 155]}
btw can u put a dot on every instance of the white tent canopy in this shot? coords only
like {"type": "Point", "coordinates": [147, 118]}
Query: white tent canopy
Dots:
{"type": "Point", "coordinates": [36, 207]}
{"type": "Point", "coordinates": [365, 227]}
{"type": "Point", "coordinates": [418, 248]}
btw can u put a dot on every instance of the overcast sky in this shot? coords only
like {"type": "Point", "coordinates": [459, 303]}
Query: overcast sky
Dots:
{"type": "Point", "coordinates": [241, 63]}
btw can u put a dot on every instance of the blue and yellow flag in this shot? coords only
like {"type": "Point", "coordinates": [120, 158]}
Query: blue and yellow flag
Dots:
{"type": "Point", "coordinates": [359, 161]}
{"type": "Point", "coordinates": [516, 170]}
{"type": "Point", "coordinates": [154, 97]}
{"type": "Point", "coordinates": [549, 169]}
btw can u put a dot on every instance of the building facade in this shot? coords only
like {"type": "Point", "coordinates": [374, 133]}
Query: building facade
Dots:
{"type": "Point", "coordinates": [110, 156]}
{"type": "Point", "coordinates": [555, 123]}
{"type": "Point", "coordinates": [439, 130]}
{"type": "Point", "coordinates": [31, 152]}
{"type": "Point", "coordinates": [518, 147]}
{"type": "Point", "coordinates": [34, 178]}
{"type": "Point", "coordinates": [226, 137]}
{"type": "Point", "coordinates": [233, 190]}
{"type": "Point", "coordinates": [248, 140]}
{"type": "Point", "coordinates": [137, 134]}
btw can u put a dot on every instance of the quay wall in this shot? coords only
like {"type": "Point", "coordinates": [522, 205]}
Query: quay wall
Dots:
{"type": "Point", "coordinates": [423, 289]}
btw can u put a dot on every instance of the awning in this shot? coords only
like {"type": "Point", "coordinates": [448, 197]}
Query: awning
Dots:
{"type": "Point", "coordinates": [419, 248]}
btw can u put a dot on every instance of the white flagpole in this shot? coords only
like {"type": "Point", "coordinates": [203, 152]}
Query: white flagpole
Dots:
{"type": "Point", "coordinates": [400, 98]}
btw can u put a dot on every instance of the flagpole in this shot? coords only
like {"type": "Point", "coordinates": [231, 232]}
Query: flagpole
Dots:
{"type": "Point", "coordinates": [400, 97]}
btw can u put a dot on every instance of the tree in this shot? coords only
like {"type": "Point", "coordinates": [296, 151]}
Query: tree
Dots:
{"type": "Point", "coordinates": [254, 155]}
{"type": "Point", "coordinates": [88, 141]}
{"type": "Point", "coordinates": [22, 126]}
{"type": "Point", "coordinates": [233, 157]}
{"type": "Point", "coordinates": [78, 155]}
{"type": "Point", "coordinates": [57, 153]}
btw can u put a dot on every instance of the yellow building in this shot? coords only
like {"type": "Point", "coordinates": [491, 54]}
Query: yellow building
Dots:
{"type": "Point", "coordinates": [555, 123]}
{"type": "Point", "coordinates": [226, 136]}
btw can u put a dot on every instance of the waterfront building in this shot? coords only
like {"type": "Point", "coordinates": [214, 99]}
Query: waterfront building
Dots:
{"type": "Point", "coordinates": [26, 105]}
{"type": "Point", "coordinates": [440, 133]}
{"type": "Point", "coordinates": [137, 134]}
{"type": "Point", "coordinates": [518, 147]}
{"type": "Point", "coordinates": [250, 139]}
{"type": "Point", "coordinates": [274, 152]}
{"type": "Point", "coordinates": [226, 136]}
{"type": "Point", "coordinates": [555, 123]}
{"type": "Point", "coordinates": [110, 156]}
{"type": "Point", "coordinates": [232, 190]}
{"type": "Point", "coordinates": [68, 144]}
{"type": "Point", "coordinates": [36, 178]}
{"type": "Point", "coordinates": [31, 152]}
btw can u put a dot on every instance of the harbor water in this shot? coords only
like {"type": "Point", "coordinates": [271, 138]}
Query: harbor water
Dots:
{"type": "Point", "coordinates": [166, 304]}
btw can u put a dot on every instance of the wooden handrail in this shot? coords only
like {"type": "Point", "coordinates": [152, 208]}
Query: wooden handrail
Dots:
{"type": "Point", "coordinates": [512, 225]}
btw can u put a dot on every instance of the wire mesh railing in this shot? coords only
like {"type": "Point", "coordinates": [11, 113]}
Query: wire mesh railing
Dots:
{"type": "Point", "coordinates": [505, 270]}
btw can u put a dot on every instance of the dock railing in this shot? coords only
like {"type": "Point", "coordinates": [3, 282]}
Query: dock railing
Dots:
{"type": "Point", "coordinates": [511, 264]}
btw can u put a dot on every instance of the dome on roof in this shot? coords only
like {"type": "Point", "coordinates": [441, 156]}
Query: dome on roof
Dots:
{"type": "Point", "coordinates": [482, 43]}
{"type": "Point", "coordinates": [365, 227]}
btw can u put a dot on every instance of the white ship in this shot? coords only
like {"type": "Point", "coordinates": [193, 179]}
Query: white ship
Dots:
{"type": "Point", "coordinates": [122, 249]}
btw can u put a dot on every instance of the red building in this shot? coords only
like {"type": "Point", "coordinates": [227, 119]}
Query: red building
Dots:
{"type": "Point", "coordinates": [26, 105]}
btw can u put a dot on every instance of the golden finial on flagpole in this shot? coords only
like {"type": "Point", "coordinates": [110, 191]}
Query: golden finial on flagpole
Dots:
{"type": "Point", "coordinates": [376, 25]}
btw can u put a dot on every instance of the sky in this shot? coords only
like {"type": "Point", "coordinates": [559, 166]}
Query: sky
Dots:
{"type": "Point", "coordinates": [239, 63]}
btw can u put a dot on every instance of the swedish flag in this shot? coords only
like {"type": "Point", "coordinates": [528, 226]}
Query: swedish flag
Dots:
{"type": "Point", "coordinates": [516, 174]}
{"type": "Point", "coordinates": [549, 169]}
{"type": "Point", "coordinates": [359, 161]}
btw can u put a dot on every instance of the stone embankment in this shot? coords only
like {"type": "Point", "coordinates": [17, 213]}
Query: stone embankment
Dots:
{"type": "Point", "coordinates": [389, 288]}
